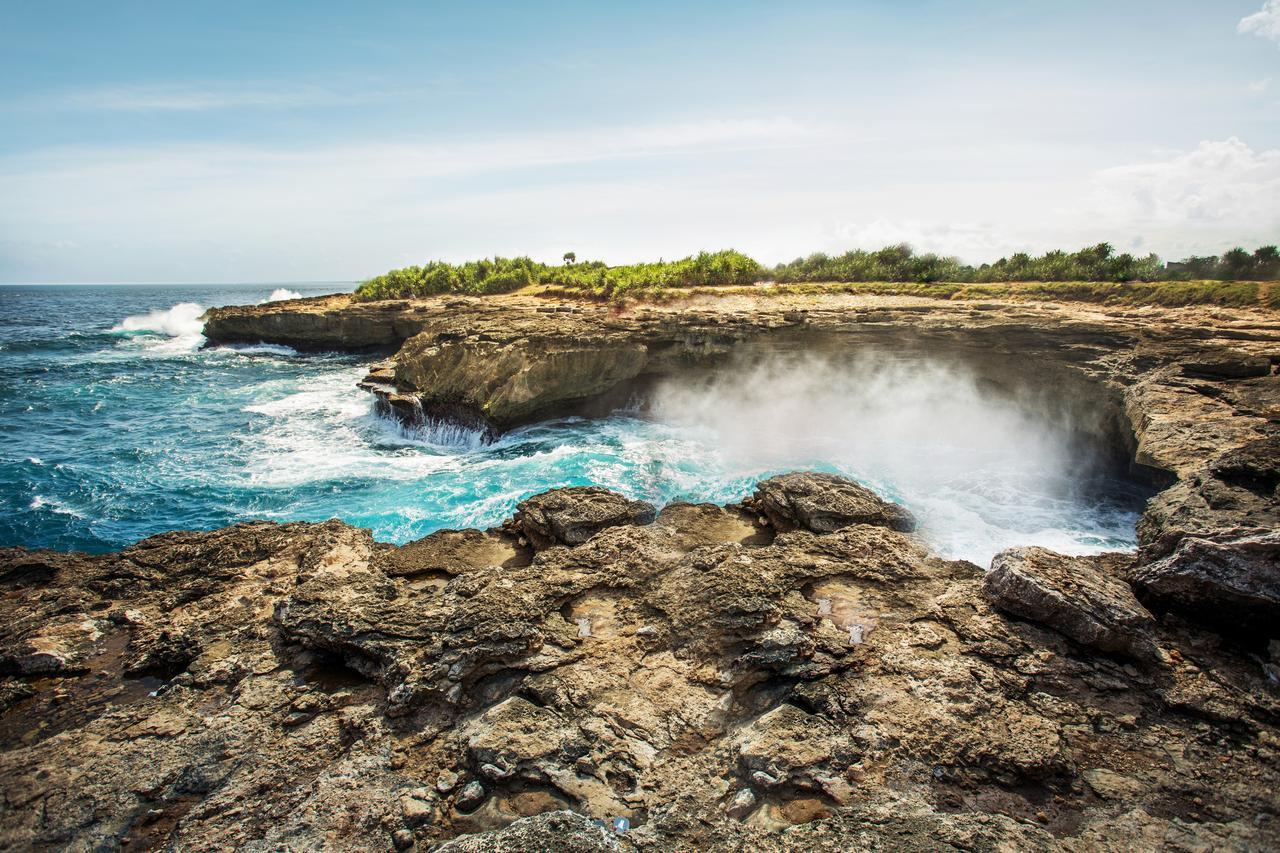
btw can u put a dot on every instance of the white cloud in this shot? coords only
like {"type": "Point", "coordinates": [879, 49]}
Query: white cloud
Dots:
{"type": "Point", "coordinates": [1225, 183]}
{"type": "Point", "coordinates": [1265, 23]}
{"type": "Point", "coordinates": [388, 164]}
{"type": "Point", "coordinates": [1258, 87]}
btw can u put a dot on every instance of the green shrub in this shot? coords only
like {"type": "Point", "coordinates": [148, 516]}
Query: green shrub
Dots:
{"type": "Point", "coordinates": [1093, 274]}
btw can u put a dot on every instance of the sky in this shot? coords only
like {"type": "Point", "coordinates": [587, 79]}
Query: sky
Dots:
{"type": "Point", "coordinates": [245, 141]}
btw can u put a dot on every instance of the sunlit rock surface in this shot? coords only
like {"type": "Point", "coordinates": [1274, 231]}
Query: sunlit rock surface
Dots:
{"type": "Point", "coordinates": [717, 683]}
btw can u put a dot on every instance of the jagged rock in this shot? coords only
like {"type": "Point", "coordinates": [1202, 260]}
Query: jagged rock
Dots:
{"type": "Point", "coordinates": [418, 807]}
{"type": "Point", "coordinates": [1204, 506]}
{"type": "Point", "coordinates": [446, 781]}
{"type": "Point", "coordinates": [1233, 583]}
{"type": "Point", "coordinates": [789, 745]}
{"type": "Point", "coordinates": [655, 654]}
{"type": "Point", "coordinates": [1072, 595]}
{"type": "Point", "coordinates": [742, 804]}
{"type": "Point", "coordinates": [824, 503]}
{"type": "Point", "coordinates": [572, 516]}
{"type": "Point", "coordinates": [349, 694]}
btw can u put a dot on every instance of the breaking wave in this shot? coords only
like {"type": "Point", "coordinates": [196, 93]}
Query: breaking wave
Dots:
{"type": "Point", "coordinates": [179, 321]}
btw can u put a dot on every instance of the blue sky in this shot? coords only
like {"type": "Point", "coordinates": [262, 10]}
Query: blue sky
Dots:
{"type": "Point", "coordinates": [275, 142]}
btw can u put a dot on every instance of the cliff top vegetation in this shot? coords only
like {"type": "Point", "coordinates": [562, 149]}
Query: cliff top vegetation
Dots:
{"type": "Point", "coordinates": [1094, 274]}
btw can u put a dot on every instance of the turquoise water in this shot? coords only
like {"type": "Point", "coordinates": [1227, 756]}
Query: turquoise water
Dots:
{"type": "Point", "coordinates": [115, 425]}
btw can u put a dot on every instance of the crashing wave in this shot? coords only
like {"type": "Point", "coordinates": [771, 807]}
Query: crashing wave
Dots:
{"type": "Point", "coordinates": [179, 321]}
{"type": "Point", "coordinates": [280, 294]}
{"type": "Point", "coordinates": [181, 325]}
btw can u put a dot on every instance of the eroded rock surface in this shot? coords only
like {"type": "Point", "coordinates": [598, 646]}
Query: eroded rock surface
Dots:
{"type": "Point", "coordinates": [572, 516]}
{"type": "Point", "coordinates": [1234, 583]}
{"type": "Point", "coordinates": [1076, 596]}
{"type": "Point", "coordinates": [824, 503]}
{"type": "Point", "coordinates": [719, 683]}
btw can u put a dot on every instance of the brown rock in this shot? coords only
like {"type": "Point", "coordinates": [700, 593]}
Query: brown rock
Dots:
{"type": "Point", "coordinates": [572, 516]}
{"type": "Point", "coordinates": [1233, 583]}
{"type": "Point", "coordinates": [824, 503]}
{"type": "Point", "coordinates": [1073, 596]}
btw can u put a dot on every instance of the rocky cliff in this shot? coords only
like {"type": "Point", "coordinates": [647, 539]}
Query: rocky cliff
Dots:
{"type": "Point", "coordinates": [794, 672]}
{"type": "Point", "coordinates": [1186, 399]}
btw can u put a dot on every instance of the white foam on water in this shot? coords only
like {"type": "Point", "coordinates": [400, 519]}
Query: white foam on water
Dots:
{"type": "Point", "coordinates": [434, 435]}
{"type": "Point", "coordinates": [323, 429]}
{"type": "Point", "coordinates": [280, 294]}
{"type": "Point", "coordinates": [41, 502]}
{"type": "Point", "coordinates": [260, 349]}
{"type": "Point", "coordinates": [181, 326]}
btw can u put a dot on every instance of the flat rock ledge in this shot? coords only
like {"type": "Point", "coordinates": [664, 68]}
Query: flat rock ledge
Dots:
{"type": "Point", "coordinates": [720, 683]}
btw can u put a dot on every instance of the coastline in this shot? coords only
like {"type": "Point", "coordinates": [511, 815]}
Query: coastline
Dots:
{"type": "Point", "coordinates": [788, 672]}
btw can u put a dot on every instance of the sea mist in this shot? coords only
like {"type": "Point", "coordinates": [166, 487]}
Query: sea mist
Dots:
{"type": "Point", "coordinates": [982, 468]}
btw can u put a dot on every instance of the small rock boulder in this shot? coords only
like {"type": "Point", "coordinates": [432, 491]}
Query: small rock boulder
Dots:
{"type": "Point", "coordinates": [824, 503]}
{"type": "Point", "coordinates": [1073, 596]}
{"type": "Point", "coordinates": [572, 516]}
{"type": "Point", "coordinates": [1233, 583]}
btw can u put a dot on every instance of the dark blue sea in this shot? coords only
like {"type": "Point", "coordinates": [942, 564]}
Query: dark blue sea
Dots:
{"type": "Point", "coordinates": [116, 423]}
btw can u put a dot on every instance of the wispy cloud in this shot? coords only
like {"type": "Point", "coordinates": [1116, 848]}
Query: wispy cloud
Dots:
{"type": "Point", "coordinates": [770, 186]}
{"type": "Point", "coordinates": [235, 211]}
{"type": "Point", "coordinates": [190, 97]}
{"type": "Point", "coordinates": [398, 163]}
{"type": "Point", "coordinates": [1264, 23]}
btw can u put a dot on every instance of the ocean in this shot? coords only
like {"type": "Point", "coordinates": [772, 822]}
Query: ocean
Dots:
{"type": "Point", "coordinates": [116, 424]}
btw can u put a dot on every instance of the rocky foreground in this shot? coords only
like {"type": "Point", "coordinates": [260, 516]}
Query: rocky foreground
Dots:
{"type": "Point", "coordinates": [796, 672]}
{"type": "Point", "coordinates": [793, 673]}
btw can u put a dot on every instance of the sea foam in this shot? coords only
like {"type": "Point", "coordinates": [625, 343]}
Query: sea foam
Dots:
{"type": "Point", "coordinates": [181, 326]}
{"type": "Point", "coordinates": [280, 294]}
{"type": "Point", "coordinates": [182, 320]}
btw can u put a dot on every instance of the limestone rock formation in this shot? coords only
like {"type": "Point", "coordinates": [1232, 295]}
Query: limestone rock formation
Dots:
{"type": "Point", "coordinates": [823, 503]}
{"type": "Point", "coordinates": [572, 516]}
{"type": "Point", "coordinates": [1233, 583]}
{"type": "Point", "coordinates": [1074, 596]}
{"type": "Point", "coordinates": [719, 684]}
